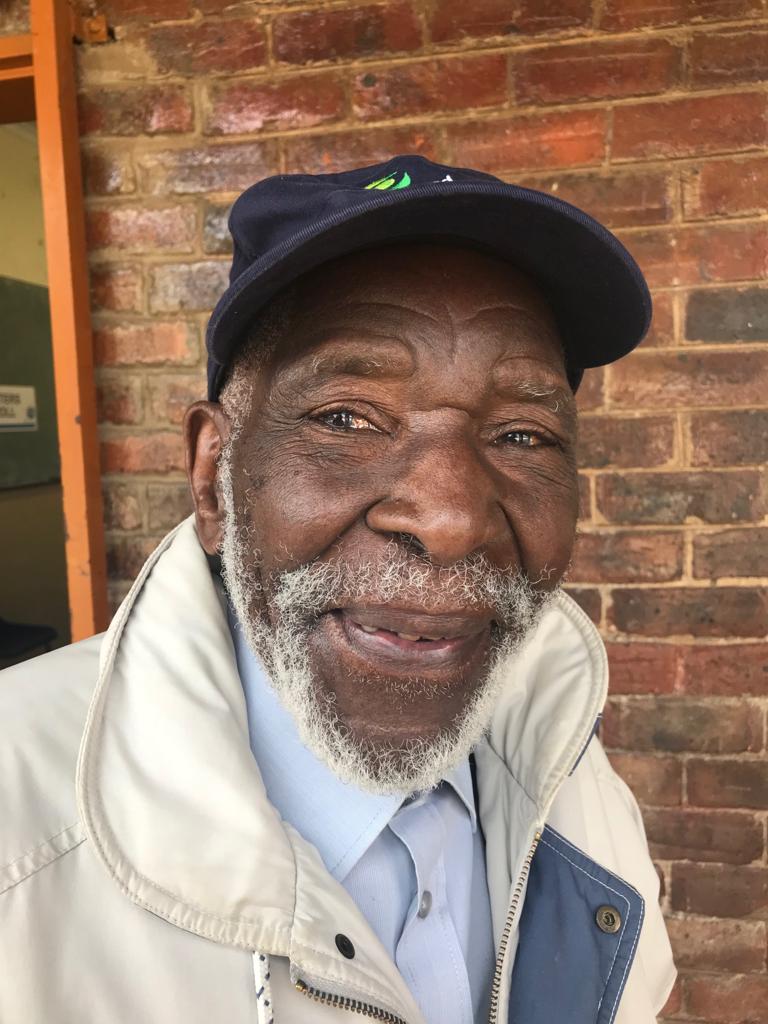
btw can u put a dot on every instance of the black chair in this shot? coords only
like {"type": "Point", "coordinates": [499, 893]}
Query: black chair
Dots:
{"type": "Point", "coordinates": [19, 639]}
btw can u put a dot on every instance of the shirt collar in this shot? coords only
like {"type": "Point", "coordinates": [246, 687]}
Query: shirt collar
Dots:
{"type": "Point", "coordinates": [340, 820]}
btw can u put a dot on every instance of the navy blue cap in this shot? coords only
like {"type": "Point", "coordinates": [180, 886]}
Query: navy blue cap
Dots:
{"type": "Point", "coordinates": [288, 224]}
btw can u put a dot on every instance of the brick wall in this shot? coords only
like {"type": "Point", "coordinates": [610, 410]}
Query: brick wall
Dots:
{"type": "Point", "coordinates": [651, 114]}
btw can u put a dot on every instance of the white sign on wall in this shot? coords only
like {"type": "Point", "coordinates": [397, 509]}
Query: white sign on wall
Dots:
{"type": "Point", "coordinates": [18, 408]}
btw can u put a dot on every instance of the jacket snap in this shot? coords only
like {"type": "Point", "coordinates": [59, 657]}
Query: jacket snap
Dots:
{"type": "Point", "coordinates": [608, 919]}
{"type": "Point", "coordinates": [344, 946]}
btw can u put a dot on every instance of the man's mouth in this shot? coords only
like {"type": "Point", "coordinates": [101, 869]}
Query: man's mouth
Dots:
{"type": "Point", "coordinates": [413, 639]}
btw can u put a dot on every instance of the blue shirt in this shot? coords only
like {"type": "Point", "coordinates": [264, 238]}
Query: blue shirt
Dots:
{"type": "Point", "coordinates": [415, 867]}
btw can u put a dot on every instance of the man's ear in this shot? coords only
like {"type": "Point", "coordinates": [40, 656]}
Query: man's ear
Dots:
{"type": "Point", "coordinates": [206, 431]}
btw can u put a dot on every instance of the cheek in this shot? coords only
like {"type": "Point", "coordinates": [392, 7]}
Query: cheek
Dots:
{"type": "Point", "coordinates": [304, 503]}
{"type": "Point", "coordinates": [543, 512]}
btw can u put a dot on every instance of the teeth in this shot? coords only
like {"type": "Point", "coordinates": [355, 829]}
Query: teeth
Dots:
{"type": "Point", "coordinates": [368, 629]}
{"type": "Point", "coordinates": [409, 636]}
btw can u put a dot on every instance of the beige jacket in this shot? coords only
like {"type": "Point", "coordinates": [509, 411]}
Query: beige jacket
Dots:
{"type": "Point", "coordinates": [138, 877]}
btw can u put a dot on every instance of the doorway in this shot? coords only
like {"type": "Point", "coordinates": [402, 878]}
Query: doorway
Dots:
{"type": "Point", "coordinates": [52, 547]}
{"type": "Point", "coordinates": [34, 608]}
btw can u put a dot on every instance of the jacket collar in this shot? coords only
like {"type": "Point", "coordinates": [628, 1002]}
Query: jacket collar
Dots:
{"type": "Point", "coordinates": [173, 802]}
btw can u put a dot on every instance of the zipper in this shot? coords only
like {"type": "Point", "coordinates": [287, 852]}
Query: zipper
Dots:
{"type": "Point", "coordinates": [345, 1003]}
{"type": "Point", "coordinates": [375, 1013]}
{"type": "Point", "coordinates": [512, 913]}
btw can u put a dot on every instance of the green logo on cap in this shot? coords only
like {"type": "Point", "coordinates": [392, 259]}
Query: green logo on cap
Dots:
{"type": "Point", "coordinates": [389, 182]}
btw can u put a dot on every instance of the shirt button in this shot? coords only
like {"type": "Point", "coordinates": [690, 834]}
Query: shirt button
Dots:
{"type": "Point", "coordinates": [425, 903]}
{"type": "Point", "coordinates": [608, 919]}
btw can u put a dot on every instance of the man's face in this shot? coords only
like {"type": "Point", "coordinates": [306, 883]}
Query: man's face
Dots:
{"type": "Point", "coordinates": [401, 498]}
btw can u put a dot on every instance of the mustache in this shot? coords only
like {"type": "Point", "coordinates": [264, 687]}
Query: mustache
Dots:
{"type": "Point", "coordinates": [316, 587]}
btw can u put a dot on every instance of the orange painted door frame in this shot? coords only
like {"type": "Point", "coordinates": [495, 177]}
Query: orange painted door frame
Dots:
{"type": "Point", "coordinates": [52, 69]}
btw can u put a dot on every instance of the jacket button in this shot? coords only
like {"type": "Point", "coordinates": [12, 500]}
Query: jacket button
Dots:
{"type": "Point", "coordinates": [608, 919]}
{"type": "Point", "coordinates": [344, 946]}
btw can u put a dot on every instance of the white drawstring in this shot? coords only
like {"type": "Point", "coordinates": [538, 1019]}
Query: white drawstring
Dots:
{"type": "Point", "coordinates": [261, 981]}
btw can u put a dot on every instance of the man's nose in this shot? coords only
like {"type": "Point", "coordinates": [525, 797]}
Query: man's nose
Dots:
{"type": "Point", "coordinates": [446, 498]}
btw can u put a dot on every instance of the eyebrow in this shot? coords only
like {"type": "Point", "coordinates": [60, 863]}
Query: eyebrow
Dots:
{"type": "Point", "coordinates": [552, 396]}
{"type": "Point", "coordinates": [360, 364]}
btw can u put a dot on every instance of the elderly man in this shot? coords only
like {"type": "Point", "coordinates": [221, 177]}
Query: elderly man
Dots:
{"type": "Point", "coordinates": [336, 750]}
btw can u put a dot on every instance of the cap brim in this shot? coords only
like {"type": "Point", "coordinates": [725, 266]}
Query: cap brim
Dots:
{"type": "Point", "coordinates": [596, 290]}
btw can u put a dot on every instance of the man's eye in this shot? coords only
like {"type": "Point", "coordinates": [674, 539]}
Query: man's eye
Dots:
{"type": "Point", "coordinates": [521, 438]}
{"type": "Point", "coordinates": [344, 419]}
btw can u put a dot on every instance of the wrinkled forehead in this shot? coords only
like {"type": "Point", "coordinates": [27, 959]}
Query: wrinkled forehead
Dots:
{"type": "Point", "coordinates": [424, 293]}
{"type": "Point", "coordinates": [446, 278]}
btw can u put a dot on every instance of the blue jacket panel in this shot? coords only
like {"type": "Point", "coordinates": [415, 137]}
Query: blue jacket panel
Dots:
{"type": "Point", "coordinates": [569, 969]}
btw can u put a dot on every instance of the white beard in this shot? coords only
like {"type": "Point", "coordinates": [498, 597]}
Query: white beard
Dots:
{"type": "Point", "coordinates": [298, 596]}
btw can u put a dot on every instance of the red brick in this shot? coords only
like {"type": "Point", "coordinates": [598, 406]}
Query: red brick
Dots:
{"type": "Point", "coordinates": [187, 286]}
{"type": "Point", "coordinates": [107, 173]}
{"type": "Point", "coordinates": [457, 20]}
{"type": "Point", "coordinates": [588, 599]}
{"type": "Point", "coordinates": [430, 86]}
{"type": "Point", "coordinates": [687, 127]}
{"type": "Point", "coordinates": [740, 999]}
{"type": "Point", "coordinates": [352, 32]}
{"type": "Point", "coordinates": [596, 70]}
{"type": "Point", "coordinates": [119, 400]}
{"type": "Point", "coordinates": [663, 380]}
{"type": "Point", "coordinates": [326, 152]}
{"type": "Point", "coordinates": [737, 438]}
{"type": "Point", "coordinates": [727, 314]}
{"type": "Point", "coordinates": [662, 330]}
{"type": "Point", "coordinates": [125, 557]}
{"type": "Point", "coordinates": [731, 553]}
{"type": "Point", "coordinates": [730, 837]}
{"type": "Point", "coordinates": [224, 168]}
{"type": "Point", "coordinates": [148, 343]}
{"type": "Point", "coordinates": [625, 441]}
{"type": "Point", "coordinates": [691, 611]}
{"type": "Point", "coordinates": [727, 670]}
{"type": "Point", "coordinates": [116, 288]}
{"type": "Point", "coordinates": [734, 783]}
{"type": "Point", "coordinates": [169, 395]}
{"type": "Point", "coordinates": [136, 110]}
{"type": "Point", "coordinates": [673, 1003]}
{"type": "Point", "coordinates": [722, 188]}
{"type": "Point", "coordinates": [590, 393]}
{"type": "Point", "coordinates": [15, 17]}
{"type": "Point", "coordinates": [205, 47]}
{"type": "Point", "coordinates": [666, 498]}
{"type": "Point", "coordinates": [585, 497]}
{"type": "Point", "coordinates": [723, 58]}
{"type": "Point", "coordinates": [142, 228]}
{"type": "Point", "coordinates": [616, 200]}
{"type": "Point", "coordinates": [143, 453]}
{"type": "Point", "coordinates": [627, 557]}
{"type": "Point", "coordinates": [216, 236]}
{"type": "Point", "coordinates": [620, 15]}
{"type": "Point", "coordinates": [537, 16]}
{"type": "Point", "coordinates": [122, 506]}
{"type": "Point", "coordinates": [168, 504]}
{"type": "Point", "coordinates": [122, 12]}
{"type": "Point", "coordinates": [717, 945]}
{"type": "Point", "coordinates": [700, 254]}
{"type": "Point", "coordinates": [240, 106]}
{"type": "Point", "coordinates": [529, 143]}
{"type": "Point", "coordinates": [680, 724]}
{"type": "Point", "coordinates": [711, 890]}
{"type": "Point", "coordinates": [655, 781]}
{"type": "Point", "coordinates": [642, 668]}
